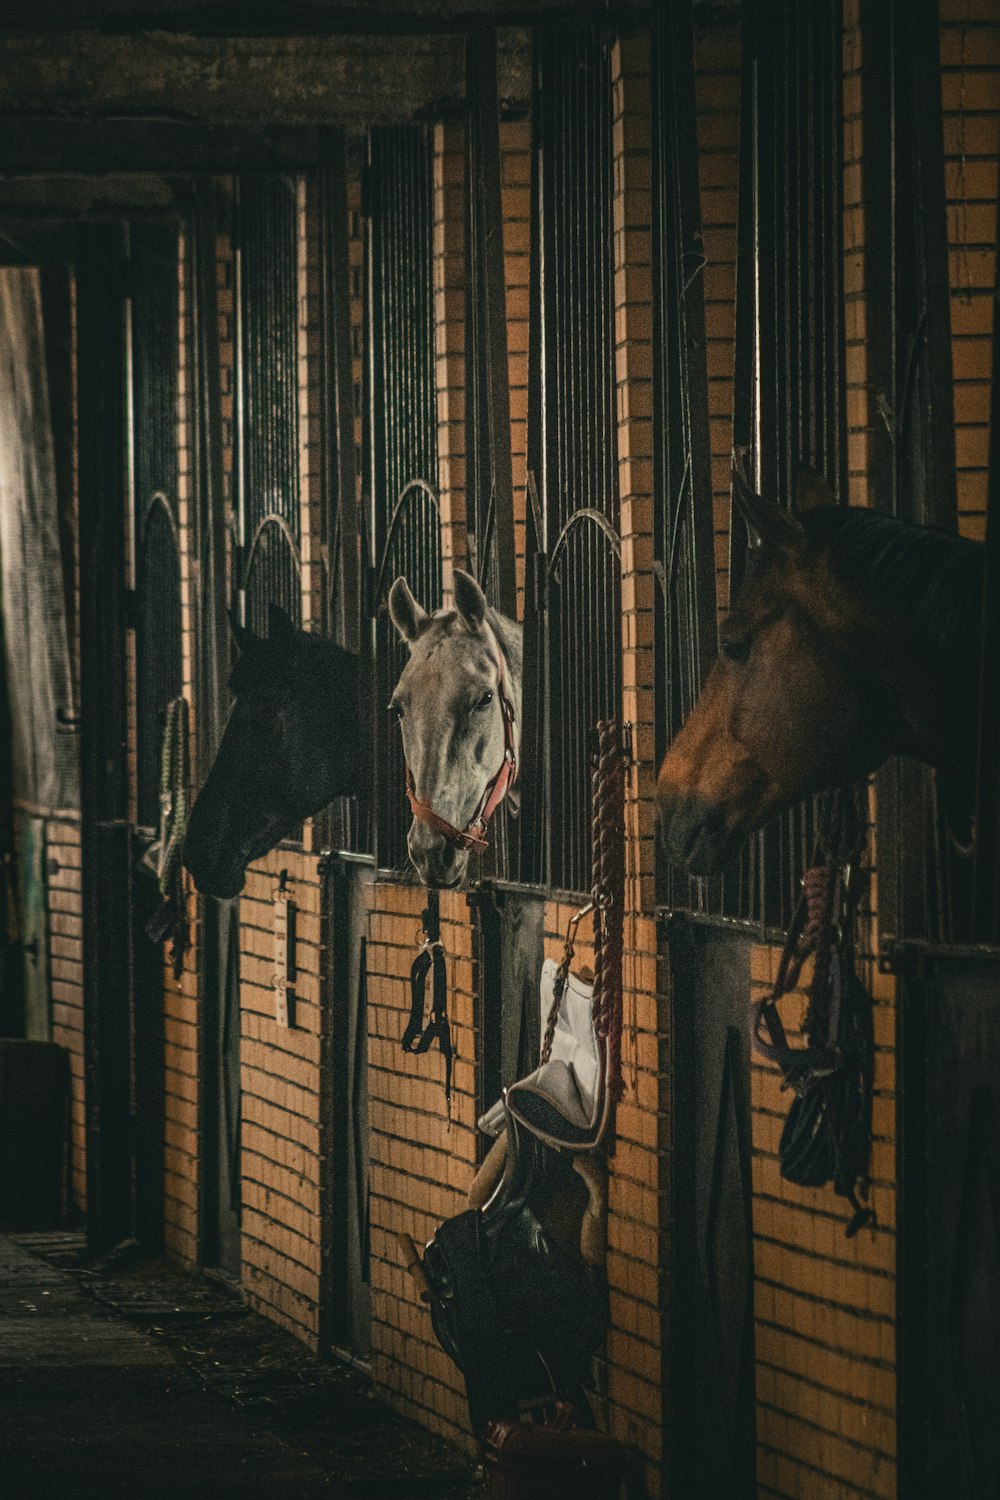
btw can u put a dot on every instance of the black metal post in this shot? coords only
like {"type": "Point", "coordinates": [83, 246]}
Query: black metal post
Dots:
{"type": "Point", "coordinates": [106, 875]}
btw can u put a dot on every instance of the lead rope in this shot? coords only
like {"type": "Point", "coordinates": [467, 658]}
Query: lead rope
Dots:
{"type": "Point", "coordinates": [607, 902]}
{"type": "Point", "coordinates": [163, 858]}
{"type": "Point", "coordinates": [609, 896]}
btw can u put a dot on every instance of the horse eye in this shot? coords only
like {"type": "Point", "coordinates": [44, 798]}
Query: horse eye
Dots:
{"type": "Point", "coordinates": [485, 700]}
{"type": "Point", "coordinates": [395, 711]}
{"type": "Point", "coordinates": [737, 649]}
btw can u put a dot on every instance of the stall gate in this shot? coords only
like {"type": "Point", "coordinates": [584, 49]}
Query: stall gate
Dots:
{"type": "Point", "coordinates": [218, 954]}
{"type": "Point", "coordinates": [154, 358]}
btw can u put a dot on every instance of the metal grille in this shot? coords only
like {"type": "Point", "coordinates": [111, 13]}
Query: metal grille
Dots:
{"type": "Point", "coordinates": [267, 398]}
{"type": "Point", "coordinates": [342, 543]}
{"type": "Point", "coordinates": [490, 487]}
{"type": "Point", "coordinates": [791, 396]}
{"type": "Point", "coordinates": [401, 430]}
{"type": "Point", "coordinates": [574, 447]}
{"type": "Point", "coordinates": [490, 483]}
{"type": "Point", "coordinates": [924, 888]}
{"type": "Point", "coordinates": [155, 358]}
{"type": "Point", "coordinates": [684, 539]}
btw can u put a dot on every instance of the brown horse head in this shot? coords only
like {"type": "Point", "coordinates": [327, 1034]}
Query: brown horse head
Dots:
{"type": "Point", "coordinates": [852, 638]}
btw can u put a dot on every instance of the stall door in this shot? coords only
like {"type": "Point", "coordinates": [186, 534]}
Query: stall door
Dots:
{"type": "Point", "coordinates": [949, 1335]}
{"type": "Point", "coordinates": [218, 946]}
{"type": "Point", "coordinates": [711, 1306]}
{"type": "Point", "coordinates": [155, 363]}
{"type": "Point", "coordinates": [34, 937]}
{"type": "Point", "coordinates": [350, 894]}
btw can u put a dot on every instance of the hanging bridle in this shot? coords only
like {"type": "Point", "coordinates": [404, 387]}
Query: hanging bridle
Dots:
{"type": "Point", "coordinates": [473, 835]}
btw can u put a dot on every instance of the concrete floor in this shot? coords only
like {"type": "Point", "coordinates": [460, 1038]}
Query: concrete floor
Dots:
{"type": "Point", "coordinates": [134, 1381]}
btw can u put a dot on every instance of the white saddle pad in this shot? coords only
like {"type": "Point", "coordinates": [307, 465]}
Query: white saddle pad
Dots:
{"type": "Point", "coordinates": [571, 1076]}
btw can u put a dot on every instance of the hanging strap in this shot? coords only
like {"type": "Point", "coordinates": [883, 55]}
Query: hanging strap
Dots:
{"type": "Point", "coordinates": [813, 930]}
{"type": "Point", "coordinates": [417, 1037]}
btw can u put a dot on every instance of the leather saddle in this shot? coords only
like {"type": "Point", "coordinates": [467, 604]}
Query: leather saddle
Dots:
{"type": "Point", "coordinates": [512, 1301]}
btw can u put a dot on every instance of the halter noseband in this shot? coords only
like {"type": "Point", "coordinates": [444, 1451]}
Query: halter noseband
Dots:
{"type": "Point", "coordinates": [473, 835]}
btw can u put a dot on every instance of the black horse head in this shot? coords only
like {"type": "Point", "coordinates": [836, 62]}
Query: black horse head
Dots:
{"type": "Point", "coordinates": [293, 742]}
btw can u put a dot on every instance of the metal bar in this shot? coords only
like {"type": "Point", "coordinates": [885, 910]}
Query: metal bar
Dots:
{"type": "Point", "coordinates": [986, 889]}
{"type": "Point", "coordinates": [340, 517]}
{"type": "Point", "coordinates": [106, 866]}
{"type": "Point", "coordinates": [488, 325]}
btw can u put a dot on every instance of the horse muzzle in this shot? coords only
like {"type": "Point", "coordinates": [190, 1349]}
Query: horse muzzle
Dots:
{"type": "Point", "coordinates": [437, 861]}
{"type": "Point", "coordinates": [695, 834]}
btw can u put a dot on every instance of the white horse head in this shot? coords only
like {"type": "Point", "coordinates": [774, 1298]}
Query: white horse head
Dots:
{"type": "Point", "coordinates": [458, 703]}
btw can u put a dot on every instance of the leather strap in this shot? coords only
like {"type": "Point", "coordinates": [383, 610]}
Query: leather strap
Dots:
{"type": "Point", "coordinates": [812, 930]}
{"type": "Point", "coordinates": [473, 835]}
{"type": "Point", "coordinates": [420, 1038]}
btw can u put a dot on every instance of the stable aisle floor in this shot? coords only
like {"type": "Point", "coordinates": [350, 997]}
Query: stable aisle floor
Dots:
{"type": "Point", "coordinates": [184, 1393]}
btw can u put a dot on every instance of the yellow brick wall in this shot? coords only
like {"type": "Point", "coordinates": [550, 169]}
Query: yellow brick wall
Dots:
{"type": "Point", "coordinates": [422, 1163]}
{"type": "Point", "coordinates": [515, 173]}
{"type": "Point", "coordinates": [180, 996]}
{"type": "Point", "coordinates": [65, 939]}
{"type": "Point", "coordinates": [717, 92]}
{"type": "Point", "coordinates": [970, 88]}
{"type": "Point", "coordinates": [634, 1248]}
{"type": "Point", "coordinates": [280, 1082]}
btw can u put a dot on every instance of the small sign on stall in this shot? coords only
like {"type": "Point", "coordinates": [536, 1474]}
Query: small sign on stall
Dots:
{"type": "Point", "coordinates": [284, 958]}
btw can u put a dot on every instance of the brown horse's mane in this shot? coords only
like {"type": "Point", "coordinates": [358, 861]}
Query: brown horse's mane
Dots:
{"type": "Point", "coordinates": [931, 578]}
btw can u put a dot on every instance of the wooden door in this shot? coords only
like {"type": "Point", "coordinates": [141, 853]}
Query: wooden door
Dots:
{"type": "Point", "coordinates": [351, 1231]}
{"type": "Point", "coordinates": [711, 1395]}
{"type": "Point", "coordinates": [949, 1245]}
{"type": "Point", "coordinates": [34, 933]}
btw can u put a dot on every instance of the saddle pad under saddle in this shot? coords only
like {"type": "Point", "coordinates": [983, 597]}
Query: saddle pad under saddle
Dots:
{"type": "Point", "coordinates": [559, 1100]}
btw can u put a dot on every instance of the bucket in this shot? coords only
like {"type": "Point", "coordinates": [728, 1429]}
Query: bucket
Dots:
{"type": "Point", "coordinates": [545, 1463]}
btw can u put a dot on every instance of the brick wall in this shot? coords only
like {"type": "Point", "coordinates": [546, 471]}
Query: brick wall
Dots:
{"type": "Point", "coordinates": [422, 1159]}
{"type": "Point", "coordinates": [65, 940]}
{"type": "Point", "coordinates": [634, 1248]}
{"type": "Point", "coordinates": [280, 1080]}
{"type": "Point", "coordinates": [717, 91]}
{"type": "Point", "coordinates": [449, 342]}
{"type": "Point", "coordinates": [970, 87]}
{"type": "Point", "coordinates": [515, 176]}
{"type": "Point", "coordinates": [180, 995]}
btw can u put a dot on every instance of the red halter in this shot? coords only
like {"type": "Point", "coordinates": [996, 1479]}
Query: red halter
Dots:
{"type": "Point", "coordinates": [473, 835]}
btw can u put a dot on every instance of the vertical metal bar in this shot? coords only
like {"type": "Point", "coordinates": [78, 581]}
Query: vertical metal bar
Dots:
{"type": "Point", "coordinates": [986, 890]}
{"type": "Point", "coordinates": [106, 872]}
{"type": "Point", "coordinates": [338, 475]}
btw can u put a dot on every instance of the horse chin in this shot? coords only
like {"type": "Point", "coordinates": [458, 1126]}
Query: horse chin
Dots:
{"type": "Point", "coordinates": [440, 869]}
{"type": "Point", "coordinates": [703, 838]}
{"type": "Point", "coordinates": [223, 887]}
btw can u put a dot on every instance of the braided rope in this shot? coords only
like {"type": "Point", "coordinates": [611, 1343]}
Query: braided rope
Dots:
{"type": "Point", "coordinates": [609, 895]}
{"type": "Point", "coordinates": [608, 903]}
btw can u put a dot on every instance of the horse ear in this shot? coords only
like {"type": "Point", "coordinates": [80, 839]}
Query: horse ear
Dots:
{"type": "Point", "coordinates": [243, 636]}
{"type": "Point", "coordinates": [279, 625]}
{"type": "Point", "coordinates": [407, 615]}
{"type": "Point", "coordinates": [470, 601]}
{"type": "Point", "coordinates": [766, 523]}
{"type": "Point", "coordinates": [811, 490]}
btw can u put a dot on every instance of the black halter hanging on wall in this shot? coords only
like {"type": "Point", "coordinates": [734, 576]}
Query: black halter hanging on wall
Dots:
{"type": "Point", "coordinates": [828, 1131]}
{"type": "Point", "coordinates": [431, 959]}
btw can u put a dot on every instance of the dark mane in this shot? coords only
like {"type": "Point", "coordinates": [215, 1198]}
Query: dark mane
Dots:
{"type": "Point", "coordinates": [267, 665]}
{"type": "Point", "coordinates": [931, 578]}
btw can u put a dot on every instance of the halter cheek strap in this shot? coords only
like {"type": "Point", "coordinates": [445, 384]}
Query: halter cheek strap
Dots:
{"type": "Point", "coordinates": [473, 835]}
